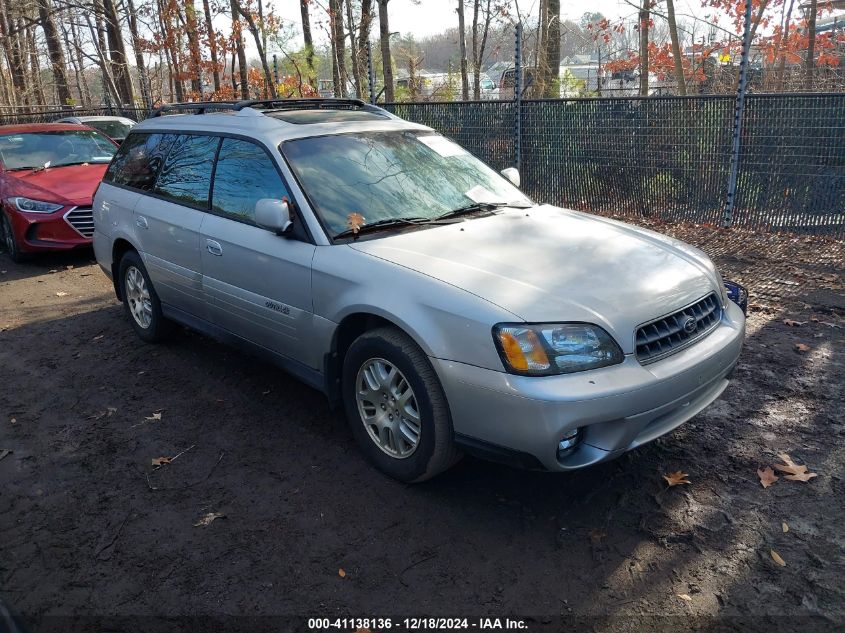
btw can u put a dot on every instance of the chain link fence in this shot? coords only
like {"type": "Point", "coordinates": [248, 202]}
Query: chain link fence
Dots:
{"type": "Point", "coordinates": [666, 157]}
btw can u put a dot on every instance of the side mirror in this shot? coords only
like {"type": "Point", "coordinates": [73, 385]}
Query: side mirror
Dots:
{"type": "Point", "coordinates": [273, 215]}
{"type": "Point", "coordinates": [512, 174]}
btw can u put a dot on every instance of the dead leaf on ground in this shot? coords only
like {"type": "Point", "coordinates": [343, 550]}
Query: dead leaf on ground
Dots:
{"type": "Point", "coordinates": [341, 573]}
{"type": "Point", "coordinates": [355, 221]}
{"type": "Point", "coordinates": [4, 452]}
{"type": "Point", "coordinates": [110, 411]}
{"type": "Point", "coordinates": [801, 476]}
{"type": "Point", "coordinates": [776, 557]}
{"type": "Point", "coordinates": [98, 337]}
{"type": "Point", "coordinates": [801, 348]}
{"type": "Point", "coordinates": [767, 476]}
{"type": "Point", "coordinates": [61, 293]}
{"type": "Point", "coordinates": [597, 536]}
{"type": "Point", "coordinates": [685, 596]}
{"type": "Point", "coordinates": [793, 323]}
{"type": "Point", "coordinates": [208, 519]}
{"type": "Point", "coordinates": [677, 478]}
{"type": "Point", "coordinates": [155, 416]}
{"type": "Point", "coordinates": [13, 421]}
{"type": "Point", "coordinates": [784, 526]}
{"type": "Point", "coordinates": [829, 324]}
{"type": "Point", "coordinates": [161, 461]}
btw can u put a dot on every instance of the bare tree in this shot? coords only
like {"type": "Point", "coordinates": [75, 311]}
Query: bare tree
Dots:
{"type": "Point", "coordinates": [338, 47]}
{"type": "Point", "coordinates": [387, 62]}
{"type": "Point", "coordinates": [212, 44]}
{"type": "Point", "coordinates": [462, 45]}
{"type": "Point", "coordinates": [306, 36]}
{"type": "Point", "coordinates": [551, 85]}
{"type": "Point", "coordinates": [117, 50]}
{"type": "Point", "coordinates": [238, 41]}
{"type": "Point", "coordinates": [479, 45]}
{"type": "Point", "coordinates": [54, 50]}
{"type": "Point", "coordinates": [644, 18]}
{"type": "Point", "coordinates": [810, 62]}
{"type": "Point", "coordinates": [677, 59]}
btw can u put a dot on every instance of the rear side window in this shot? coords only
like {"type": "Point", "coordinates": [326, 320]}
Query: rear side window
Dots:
{"type": "Point", "coordinates": [139, 160]}
{"type": "Point", "coordinates": [245, 174]}
{"type": "Point", "coordinates": [186, 174]}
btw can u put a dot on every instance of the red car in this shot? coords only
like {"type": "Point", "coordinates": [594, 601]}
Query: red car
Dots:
{"type": "Point", "coordinates": [48, 175]}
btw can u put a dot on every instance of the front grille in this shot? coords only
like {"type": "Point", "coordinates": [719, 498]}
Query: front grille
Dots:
{"type": "Point", "coordinates": [667, 335]}
{"type": "Point", "coordinates": [82, 220]}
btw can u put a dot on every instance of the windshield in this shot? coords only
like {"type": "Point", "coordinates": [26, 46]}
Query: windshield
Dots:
{"type": "Point", "coordinates": [111, 128]}
{"type": "Point", "coordinates": [391, 175]}
{"type": "Point", "coordinates": [36, 149]}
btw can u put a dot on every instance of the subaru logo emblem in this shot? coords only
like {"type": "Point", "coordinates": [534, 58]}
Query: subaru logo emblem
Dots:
{"type": "Point", "coordinates": [690, 325]}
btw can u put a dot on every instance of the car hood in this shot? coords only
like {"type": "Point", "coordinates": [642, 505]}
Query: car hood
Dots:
{"type": "Point", "coordinates": [547, 264]}
{"type": "Point", "coordinates": [74, 184]}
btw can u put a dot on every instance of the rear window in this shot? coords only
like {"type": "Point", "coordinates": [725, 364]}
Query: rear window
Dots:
{"type": "Point", "coordinates": [139, 160]}
{"type": "Point", "coordinates": [186, 174]}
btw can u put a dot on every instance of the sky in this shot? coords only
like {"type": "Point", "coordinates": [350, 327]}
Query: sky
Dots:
{"type": "Point", "coordinates": [435, 16]}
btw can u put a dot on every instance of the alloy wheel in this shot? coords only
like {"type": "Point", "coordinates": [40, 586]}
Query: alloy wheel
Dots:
{"type": "Point", "coordinates": [388, 408]}
{"type": "Point", "coordinates": [138, 296]}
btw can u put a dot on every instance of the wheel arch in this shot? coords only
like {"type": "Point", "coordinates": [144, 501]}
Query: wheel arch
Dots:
{"type": "Point", "coordinates": [120, 247]}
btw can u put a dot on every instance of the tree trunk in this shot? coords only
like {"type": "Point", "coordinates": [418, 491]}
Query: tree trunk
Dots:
{"type": "Point", "coordinates": [552, 63]}
{"type": "Point", "coordinates": [212, 44]}
{"type": "Point", "coordinates": [239, 49]}
{"type": "Point", "coordinates": [354, 50]}
{"type": "Point", "coordinates": [54, 50]}
{"type": "Point", "coordinates": [35, 69]}
{"type": "Point", "coordinates": [171, 54]}
{"type": "Point", "coordinates": [143, 79]}
{"type": "Point", "coordinates": [364, 35]}
{"type": "Point", "coordinates": [193, 46]}
{"type": "Point", "coordinates": [309, 43]}
{"type": "Point", "coordinates": [11, 46]}
{"type": "Point", "coordinates": [462, 46]}
{"type": "Point", "coordinates": [338, 48]}
{"type": "Point", "coordinates": [74, 63]}
{"type": "Point", "coordinates": [644, 17]}
{"type": "Point", "coordinates": [387, 63]}
{"type": "Point", "coordinates": [677, 60]}
{"type": "Point", "coordinates": [811, 44]}
{"type": "Point", "coordinates": [120, 69]}
{"type": "Point", "coordinates": [269, 85]}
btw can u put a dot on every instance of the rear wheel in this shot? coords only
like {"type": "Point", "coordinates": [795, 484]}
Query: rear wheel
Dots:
{"type": "Point", "coordinates": [9, 240]}
{"type": "Point", "coordinates": [396, 408]}
{"type": "Point", "coordinates": [140, 300]}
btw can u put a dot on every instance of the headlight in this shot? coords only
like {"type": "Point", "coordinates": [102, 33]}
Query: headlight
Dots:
{"type": "Point", "coordinates": [34, 206]}
{"type": "Point", "coordinates": [554, 348]}
{"type": "Point", "coordinates": [723, 293]}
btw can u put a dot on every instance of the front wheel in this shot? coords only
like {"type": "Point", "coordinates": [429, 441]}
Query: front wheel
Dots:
{"type": "Point", "coordinates": [396, 408]}
{"type": "Point", "coordinates": [9, 240]}
{"type": "Point", "coordinates": [140, 300]}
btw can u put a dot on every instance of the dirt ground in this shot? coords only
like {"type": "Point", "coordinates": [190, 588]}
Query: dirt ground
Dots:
{"type": "Point", "coordinates": [89, 528]}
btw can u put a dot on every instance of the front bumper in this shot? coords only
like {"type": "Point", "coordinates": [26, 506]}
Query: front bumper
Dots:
{"type": "Point", "coordinates": [36, 232]}
{"type": "Point", "coordinates": [618, 408]}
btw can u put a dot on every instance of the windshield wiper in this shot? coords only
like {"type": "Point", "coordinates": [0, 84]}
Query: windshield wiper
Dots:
{"type": "Point", "coordinates": [475, 207]}
{"type": "Point", "coordinates": [387, 223]}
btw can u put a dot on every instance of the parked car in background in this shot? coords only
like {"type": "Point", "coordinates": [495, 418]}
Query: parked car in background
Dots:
{"type": "Point", "coordinates": [48, 174]}
{"type": "Point", "coordinates": [115, 127]}
{"type": "Point", "coordinates": [385, 265]}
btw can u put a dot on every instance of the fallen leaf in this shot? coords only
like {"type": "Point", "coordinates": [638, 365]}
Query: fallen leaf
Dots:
{"type": "Point", "coordinates": [208, 519]}
{"type": "Point", "coordinates": [789, 466]}
{"type": "Point", "coordinates": [801, 348]}
{"type": "Point", "coordinates": [341, 573]}
{"type": "Point", "coordinates": [4, 452]}
{"type": "Point", "coordinates": [814, 319]}
{"type": "Point", "coordinates": [160, 461]}
{"type": "Point", "coordinates": [685, 596]}
{"type": "Point", "coordinates": [98, 337]}
{"type": "Point", "coordinates": [61, 293]}
{"type": "Point", "coordinates": [793, 323]}
{"type": "Point", "coordinates": [767, 476]}
{"type": "Point", "coordinates": [13, 421]}
{"type": "Point", "coordinates": [110, 411]}
{"type": "Point", "coordinates": [677, 478]}
{"type": "Point", "coordinates": [597, 536]}
{"type": "Point", "coordinates": [355, 221]}
{"type": "Point", "coordinates": [801, 476]}
{"type": "Point", "coordinates": [829, 324]}
{"type": "Point", "coordinates": [265, 393]}
{"type": "Point", "coordinates": [154, 416]}
{"type": "Point", "coordinates": [776, 557]}
{"type": "Point", "coordinates": [784, 526]}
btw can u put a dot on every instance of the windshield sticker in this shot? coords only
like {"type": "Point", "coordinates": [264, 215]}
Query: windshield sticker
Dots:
{"type": "Point", "coordinates": [442, 145]}
{"type": "Point", "coordinates": [482, 195]}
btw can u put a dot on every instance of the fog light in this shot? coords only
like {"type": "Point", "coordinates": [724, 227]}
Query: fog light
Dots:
{"type": "Point", "coordinates": [568, 442]}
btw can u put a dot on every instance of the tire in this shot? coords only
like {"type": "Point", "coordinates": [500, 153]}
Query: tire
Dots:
{"type": "Point", "coordinates": [7, 235]}
{"type": "Point", "coordinates": [140, 300]}
{"type": "Point", "coordinates": [384, 420]}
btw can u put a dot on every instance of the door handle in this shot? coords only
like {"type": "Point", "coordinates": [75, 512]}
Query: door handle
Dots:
{"type": "Point", "coordinates": [141, 222]}
{"type": "Point", "coordinates": [214, 247]}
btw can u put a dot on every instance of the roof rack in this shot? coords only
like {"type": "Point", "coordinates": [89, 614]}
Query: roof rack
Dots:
{"type": "Point", "coordinates": [201, 107]}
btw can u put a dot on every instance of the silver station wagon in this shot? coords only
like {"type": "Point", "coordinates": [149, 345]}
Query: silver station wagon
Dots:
{"type": "Point", "coordinates": [384, 265]}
